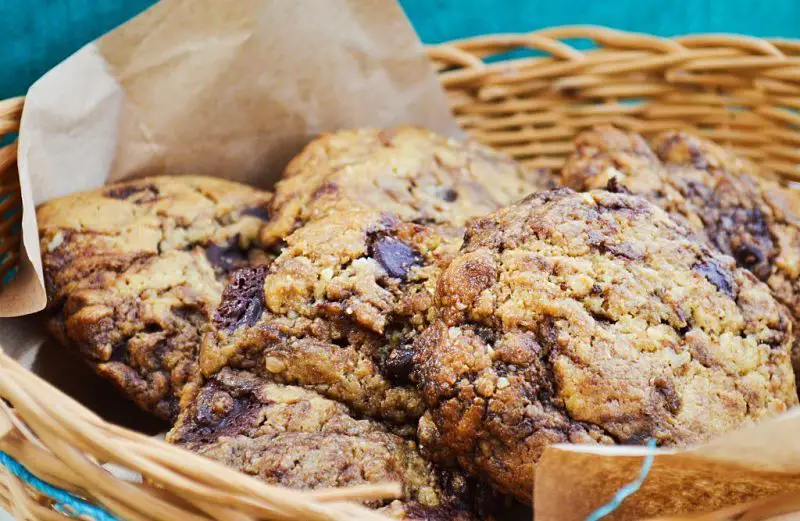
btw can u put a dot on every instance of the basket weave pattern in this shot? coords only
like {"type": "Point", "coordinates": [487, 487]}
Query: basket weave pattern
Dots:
{"type": "Point", "coordinates": [739, 91]}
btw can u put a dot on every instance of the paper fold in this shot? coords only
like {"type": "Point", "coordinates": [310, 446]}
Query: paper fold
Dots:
{"type": "Point", "coordinates": [226, 88]}
{"type": "Point", "coordinates": [752, 463]}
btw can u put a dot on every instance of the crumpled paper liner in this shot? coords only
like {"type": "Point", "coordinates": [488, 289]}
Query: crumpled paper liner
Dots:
{"type": "Point", "coordinates": [234, 88]}
{"type": "Point", "coordinates": [226, 88]}
{"type": "Point", "coordinates": [749, 464]}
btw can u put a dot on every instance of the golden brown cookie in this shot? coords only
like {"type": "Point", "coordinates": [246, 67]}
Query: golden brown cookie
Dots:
{"type": "Point", "coordinates": [723, 198]}
{"type": "Point", "coordinates": [368, 217]}
{"type": "Point", "coordinates": [607, 158]}
{"type": "Point", "coordinates": [754, 220]}
{"type": "Point", "coordinates": [134, 271]}
{"type": "Point", "coordinates": [337, 311]}
{"type": "Point", "coordinates": [410, 172]}
{"type": "Point", "coordinates": [295, 438]}
{"type": "Point", "coordinates": [593, 318]}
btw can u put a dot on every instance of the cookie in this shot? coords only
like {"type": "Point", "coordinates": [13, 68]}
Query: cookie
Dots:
{"type": "Point", "coordinates": [593, 318]}
{"type": "Point", "coordinates": [292, 437]}
{"type": "Point", "coordinates": [724, 199]}
{"type": "Point", "coordinates": [410, 172]}
{"type": "Point", "coordinates": [609, 158]}
{"type": "Point", "coordinates": [754, 220]}
{"type": "Point", "coordinates": [368, 217]}
{"type": "Point", "coordinates": [337, 311]}
{"type": "Point", "coordinates": [135, 270]}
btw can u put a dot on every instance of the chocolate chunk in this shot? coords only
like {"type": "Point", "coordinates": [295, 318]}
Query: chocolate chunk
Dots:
{"type": "Point", "coordinates": [325, 189]}
{"type": "Point", "coordinates": [243, 299]}
{"type": "Point", "coordinates": [622, 249]}
{"type": "Point", "coordinates": [219, 413]}
{"type": "Point", "coordinates": [487, 334]}
{"type": "Point", "coordinates": [666, 389]}
{"type": "Point", "coordinates": [617, 188]}
{"type": "Point", "coordinates": [399, 365]}
{"type": "Point", "coordinates": [225, 258]}
{"type": "Point", "coordinates": [152, 328]}
{"type": "Point", "coordinates": [119, 352]}
{"type": "Point", "coordinates": [125, 191]}
{"type": "Point", "coordinates": [753, 258]}
{"type": "Point", "coordinates": [719, 276]}
{"type": "Point", "coordinates": [745, 235]}
{"type": "Point", "coordinates": [259, 212]}
{"type": "Point", "coordinates": [209, 410]}
{"type": "Point", "coordinates": [449, 195]}
{"type": "Point", "coordinates": [394, 256]}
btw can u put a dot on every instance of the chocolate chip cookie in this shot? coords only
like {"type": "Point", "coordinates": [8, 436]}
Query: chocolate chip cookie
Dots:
{"type": "Point", "coordinates": [410, 172]}
{"type": "Point", "coordinates": [337, 311]}
{"type": "Point", "coordinates": [135, 270]}
{"type": "Point", "coordinates": [754, 220]}
{"type": "Point", "coordinates": [293, 437]}
{"type": "Point", "coordinates": [720, 196]}
{"type": "Point", "coordinates": [593, 318]}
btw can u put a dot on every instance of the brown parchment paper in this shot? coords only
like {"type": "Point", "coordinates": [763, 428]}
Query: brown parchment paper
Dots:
{"type": "Point", "coordinates": [752, 463]}
{"type": "Point", "coordinates": [227, 88]}
{"type": "Point", "coordinates": [233, 88]}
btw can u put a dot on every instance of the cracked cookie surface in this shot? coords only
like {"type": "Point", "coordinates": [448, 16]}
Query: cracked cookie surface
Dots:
{"type": "Point", "coordinates": [134, 271]}
{"type": "Point", "coordinates": [410, 172]}
{"type": "Point", "coordinates": [289, 436]}
{"type": "Point", "coordinates": [720, 196]}
{"type": "Point", "coordinates": [593, 318]}
{"type": "Point", "coordinates": [337, 311]}
{"type": "Point", "coordinates": [368, 218]}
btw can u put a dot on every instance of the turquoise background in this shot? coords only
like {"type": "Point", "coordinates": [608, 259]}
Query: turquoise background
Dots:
{"type": "Point", "coordinates": [37, 34]}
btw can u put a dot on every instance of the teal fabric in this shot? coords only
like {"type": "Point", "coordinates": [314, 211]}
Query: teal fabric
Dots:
{"type": "Point", "coordinates": [37, 34]}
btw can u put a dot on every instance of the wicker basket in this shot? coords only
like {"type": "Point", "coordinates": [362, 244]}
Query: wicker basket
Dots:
{"type": "Point", "coordinates": [739, 91]}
